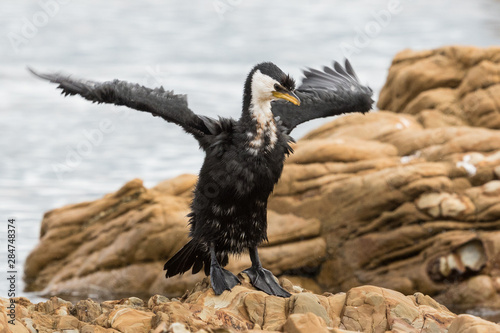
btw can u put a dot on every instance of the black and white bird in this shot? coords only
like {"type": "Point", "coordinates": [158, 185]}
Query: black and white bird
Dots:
{"type": "Point", "coordinates": [244, 157]}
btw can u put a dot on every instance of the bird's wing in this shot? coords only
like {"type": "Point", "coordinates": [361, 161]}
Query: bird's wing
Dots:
{"type": "Point", "coordinates": [158, 102]}
{"type": "Point", "coordinates": [326, 93]}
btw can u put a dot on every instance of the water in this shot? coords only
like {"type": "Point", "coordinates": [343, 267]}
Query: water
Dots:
{"type": "Point", "coordinates": [201, 48]}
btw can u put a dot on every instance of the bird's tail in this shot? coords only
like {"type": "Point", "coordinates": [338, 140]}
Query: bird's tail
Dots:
{"type": "Point", "coordinates": [193, 254]}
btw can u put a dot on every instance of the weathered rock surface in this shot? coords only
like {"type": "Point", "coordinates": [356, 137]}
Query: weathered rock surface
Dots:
{"type": "Point", "coordinates": [361, 309]}
{"type": "Point", "coordinates": [423, 216]}
{"type": "Point", "coordinates": [463, 83]}
{"type": "Point", "coordinates": [410, 202]}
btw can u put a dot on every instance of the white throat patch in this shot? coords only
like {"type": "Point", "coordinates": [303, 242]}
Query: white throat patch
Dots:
{"type": "Point", "coordinates": [260, 111]}
{"type": "Point", "coordinates": [262, 87]}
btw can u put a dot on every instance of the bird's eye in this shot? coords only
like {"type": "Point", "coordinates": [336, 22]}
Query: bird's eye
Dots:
{"type": "Point", "coordinates": [279, 87]}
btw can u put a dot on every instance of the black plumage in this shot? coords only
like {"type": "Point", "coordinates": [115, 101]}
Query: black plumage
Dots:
{"type": "Point", "coordinates": [244, 158]}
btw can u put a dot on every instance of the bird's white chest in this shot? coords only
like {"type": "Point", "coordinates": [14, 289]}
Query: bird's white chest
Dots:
{"type": "Point", "coordinates": [264, 135]}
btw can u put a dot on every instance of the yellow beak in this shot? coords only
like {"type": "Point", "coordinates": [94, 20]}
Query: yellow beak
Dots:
{"type": "Point", "coordinates": [289, 96]}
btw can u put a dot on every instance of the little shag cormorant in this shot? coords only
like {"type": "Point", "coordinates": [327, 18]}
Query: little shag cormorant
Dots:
{"type": "Point", "coordinates": [244, 158]}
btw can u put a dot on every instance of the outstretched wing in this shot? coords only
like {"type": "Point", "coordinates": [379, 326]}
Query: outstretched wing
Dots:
{"type": "Point", "coordinates": [326, 93]}
{"type": "Point", "coordinates": [158, 102]}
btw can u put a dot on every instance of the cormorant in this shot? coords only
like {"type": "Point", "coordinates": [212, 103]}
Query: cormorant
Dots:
{"type": "Point", "coordinates": [244, 158]}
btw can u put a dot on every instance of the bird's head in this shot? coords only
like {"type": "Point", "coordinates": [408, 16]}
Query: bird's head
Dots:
{"type": "Point", "coordinates": [267, 82]}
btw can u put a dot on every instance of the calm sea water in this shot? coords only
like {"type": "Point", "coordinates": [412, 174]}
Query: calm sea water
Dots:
{"type": "Point", "coordinates": [201, 48]}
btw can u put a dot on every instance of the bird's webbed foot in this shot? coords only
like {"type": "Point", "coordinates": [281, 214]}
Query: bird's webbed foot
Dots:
{"type": "Point", "coordinates": [220, 278]}
{"type": "Point", "coordinates": [262, 278]}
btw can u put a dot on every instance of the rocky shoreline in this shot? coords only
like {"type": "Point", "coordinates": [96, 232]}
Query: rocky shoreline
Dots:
{"type": "Point", "coordinates": [361, 309]}
{"type": "Point", "coordinates": [406, 198]}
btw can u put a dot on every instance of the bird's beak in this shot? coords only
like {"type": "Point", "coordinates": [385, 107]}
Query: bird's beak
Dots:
{"type": "Point", "coordinates": [287, 96]}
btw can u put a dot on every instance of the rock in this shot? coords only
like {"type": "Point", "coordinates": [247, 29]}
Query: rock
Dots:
{"type": "Point", "coordinates": [87, 310]}
{"type": "Point", "coordinates": [407, 200]}
{"type": "Point", "coordinates": [178, 328]}
{"type": "Point", "coordinates": [309, 303]}
{"type": "Point", "coordinates": [305, 323]}
{"type": "Point", "coordinates": [403, 222]}
{"type": "Point", "coordinates": [365, 308]}
{"type": "Point", "coordinates": [449, 86]}
{"type": "Point", "coordinates": [478, 290]}
{"type": "Point", "coordinates": [130, 320]}
{"type": "Point", "coordinates": [471, 324]}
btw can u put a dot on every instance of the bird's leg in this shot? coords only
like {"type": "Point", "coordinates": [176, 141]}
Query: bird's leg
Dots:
{"type": "Point", "coordinates": [263, 279]}
{"type": "Point", "coordinates": [220, 278]}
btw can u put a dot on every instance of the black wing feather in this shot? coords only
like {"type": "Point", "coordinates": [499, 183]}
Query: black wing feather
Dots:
{"type": "Point", "coordinates": [326, 93]}
{"type": "Point", "coordinates": [159, 102]}
{"type": "Point", "coordinates": [350, 70]}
